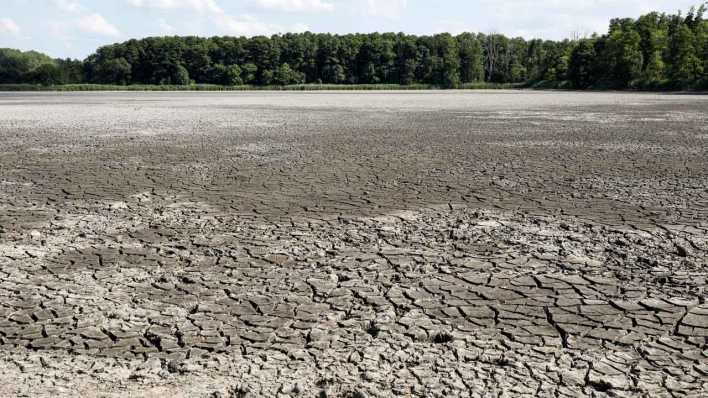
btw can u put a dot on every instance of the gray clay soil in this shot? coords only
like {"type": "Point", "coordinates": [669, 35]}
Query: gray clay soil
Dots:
{"type": "Point", "coordinates": [353, 244]}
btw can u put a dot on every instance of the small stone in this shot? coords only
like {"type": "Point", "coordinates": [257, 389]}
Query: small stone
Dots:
{"type": "Point", "coordinates": [354, 357]}
{"type": "Point", "coordinates": [117, 206]}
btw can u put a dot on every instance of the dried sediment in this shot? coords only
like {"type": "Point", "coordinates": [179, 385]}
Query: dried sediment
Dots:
{"type": "Point", "coordinates": [296, 245]}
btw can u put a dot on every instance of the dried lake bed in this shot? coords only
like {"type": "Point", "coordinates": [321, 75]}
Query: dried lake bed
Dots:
{"type": "Point", "coordinates": [354, 244]}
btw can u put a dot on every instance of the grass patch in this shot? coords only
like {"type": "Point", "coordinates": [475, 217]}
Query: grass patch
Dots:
{"type": "Point", "coordinates": [213, 87]}
{"type": "Point", "coordinates": [639, 85]}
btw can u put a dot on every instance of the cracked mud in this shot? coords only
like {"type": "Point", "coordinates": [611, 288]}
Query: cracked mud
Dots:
{"type": "Point", "coordinates": [353, 244]}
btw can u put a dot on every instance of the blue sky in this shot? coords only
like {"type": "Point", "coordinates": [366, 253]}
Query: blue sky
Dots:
{"type": "Point", "coordinates": [74, 28]}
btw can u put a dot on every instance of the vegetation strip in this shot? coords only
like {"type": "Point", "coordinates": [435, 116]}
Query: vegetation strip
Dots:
{"type": "Point", "coordinates": [655, 51]}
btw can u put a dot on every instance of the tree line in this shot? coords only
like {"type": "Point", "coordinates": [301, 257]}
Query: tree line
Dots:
{"type": "Point", "coordinates": [655, 50]}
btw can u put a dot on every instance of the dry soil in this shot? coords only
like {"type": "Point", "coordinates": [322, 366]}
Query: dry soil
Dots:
{"type": "Point", "coordinates": [353, 244]}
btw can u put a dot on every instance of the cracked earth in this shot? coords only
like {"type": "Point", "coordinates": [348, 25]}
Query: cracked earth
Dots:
{"type": "Point", "coordinates": [435, 244]}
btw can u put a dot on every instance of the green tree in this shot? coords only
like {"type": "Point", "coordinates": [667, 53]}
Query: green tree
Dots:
{"type": "Point", "coordinates": [424, 71]}
{"type": "Point", "coordinates": [653, 33]}
{"type": "Point", "coordinates": [581, 71]}
{"type": "Point", "coordinates": [447, 67]}
{"type": "Point", "coordinates": [284, 75]}
{"type": "Point", "coordinates": [535, 56]}
{"type": "Point", "coordinates": [333, 73]}
{"type": "Point", "coordinates": [196, 60]}
{"type": "Point", "coordinates": [407, 59]}
{"type": "Point", "coordinates": [654, 47]}
{"type": "Point", "coordinates": [180, 76]}
{"type": "Point", "coordinates": [249, 73]}
{"type": "Point", "coordinates": [655, 68]}
{"type": "Point", "coordinates": [46, 74]}
{"type": "Point", "coordinates": [265, 54]}
{"type": "Point", "coordinates": [702, 40]}
{"type": "Point", "coordinates": [517, 72]}
{"type": "Point", "coordinates": [685, 64]}
{"type": "Point", "coordinates": [471, 58]}
{"type": "Point", "coordinates": [367, 58]}
{"type": "Point", "coordinates": [72, 71]}
{"type": "Point", "coordinates": [624, 52]}
{"type": "Point", "coordinates": [555, 61]}
{"type": "Point", "coordinates": [17, 66]}
{"type": "Point", "coordinates": [113, 71]}
{"type": "Point", "coordinates": [228, 75]}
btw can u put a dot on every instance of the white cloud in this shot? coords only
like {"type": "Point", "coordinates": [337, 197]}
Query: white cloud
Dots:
{"type": "Point", "coordinates": [243, 25]}
{"type": "Point", "coordinates": [558, 19]}
{"type": "Point", "coordinates": [96, 24]}
{"type": "Point", "coordinates": [526, 17]}
{"type": "Point", "coordinates": [386, 8]}
{"type": "Point", "coordinates": [296, 5]}
{"type": "Point", "coordinates": [197, 5]}
{"type": "Point", "coordinates": [297, 28]}
{"type": "Point", "coordinates": [453, 27]}
{"type": "Point", "coordinates": [70, 6]}
{"type": "Point", "coordinates": [166, 28]}
{"type": "Point", "coordinates": [8, 26]}
{"type": "Point", "coordinates": [247, 25]}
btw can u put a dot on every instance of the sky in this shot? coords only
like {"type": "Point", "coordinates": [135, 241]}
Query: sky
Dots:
{"type": "Point", "coordinates": [75, 28]}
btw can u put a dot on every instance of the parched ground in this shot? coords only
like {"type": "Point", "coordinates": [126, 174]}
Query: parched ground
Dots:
{"type": "Point", "coordinates": [353, 244]}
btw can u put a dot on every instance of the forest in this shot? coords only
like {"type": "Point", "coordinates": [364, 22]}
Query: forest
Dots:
{"type": "Point", "coordinates": [654, 51]}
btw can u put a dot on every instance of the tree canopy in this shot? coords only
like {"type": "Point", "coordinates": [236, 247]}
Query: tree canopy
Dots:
{"type": "Point", "coordinates": [655, 48]}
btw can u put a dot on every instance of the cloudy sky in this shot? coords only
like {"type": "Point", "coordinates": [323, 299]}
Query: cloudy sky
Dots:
{"type": "Point", "coordinates": [74, 28]}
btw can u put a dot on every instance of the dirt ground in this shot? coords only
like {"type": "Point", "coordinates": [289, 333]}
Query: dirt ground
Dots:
{"type": "Point", "coordinates": [338, 244]}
